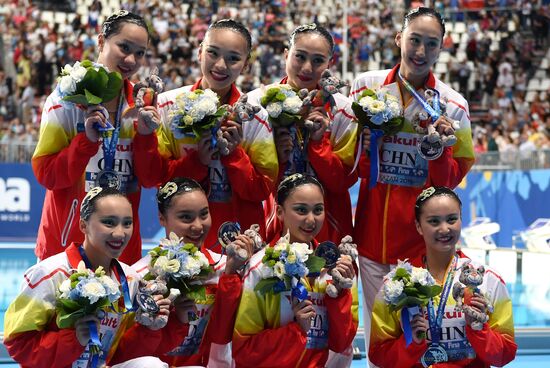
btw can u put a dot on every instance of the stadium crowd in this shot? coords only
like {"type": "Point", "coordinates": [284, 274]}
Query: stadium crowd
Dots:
{"type": "Point", "coordinates": [490, 64]}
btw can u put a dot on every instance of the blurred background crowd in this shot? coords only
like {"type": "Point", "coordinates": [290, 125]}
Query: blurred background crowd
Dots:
{"type": "Point", "coordinates": [495, 53]}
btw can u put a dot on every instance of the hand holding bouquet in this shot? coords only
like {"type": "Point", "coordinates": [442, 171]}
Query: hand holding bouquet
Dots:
{"type": "Point", "coordinates": [87, 83]}
{"type": "Point", "coordinates": [181, 265]}
{"type": "Point", "coordinates": [285, 264]}
{"type": "Point", "coordinates": [381, 113]}
{"type": "Point", "coordinates": [283, 105]}
{"type": "Point", "coordinates": [407, 288]}
{"type": "Point", "coordinates": [85, 293]}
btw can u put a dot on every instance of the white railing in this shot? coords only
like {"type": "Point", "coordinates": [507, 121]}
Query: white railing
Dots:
{"type": "Point", "coordinates": [16, 152]}
{"type": "Point", "coordinates": [513, 160]}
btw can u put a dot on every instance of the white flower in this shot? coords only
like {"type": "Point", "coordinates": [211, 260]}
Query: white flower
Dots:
{"type": "Point", "coordinates": [65, 288]}
{"type": "Point", "coordinates": [274, 109]}
{"type": "Point", "coordinates": [67, 69]}
{"type": "Point", "coordinates": [375, 106]}
{"type": "Point", "coordinates": [111, 288]}
{"type": "Point", "coordinates": [395, 108]}
{"type": "Point", "coordinates": [422, 276]}
{"type": "Point", "coordinates": [202, 259]}
{"type": "Point", "coordinates": [67, 85]}
{"type": "Point", "coordinates": [172, 240]}
{"type": "Point", "coordinates": [292, 105]}
{"type": "Point", "coordinates": [266, 272]}
{"type": "Point", "coordinates": [92, 290]}
{"type": "Point", "coordinates": [392, 291]}
{"type": "Point", "coordinates": [365, 101]}
{"type": "Point", "coordinates": [190, 268]}
{"type": "Point", "coordinates": [81, 267]}
{"type": "Point", "coordinates": [78, 73]}
{"type": "Point", "coordinates": [301, 250]}
{"type": "Point", "coordinates": [404, 265]}
{"type": "Point", "coordinates": [279, 270]}
{"type": "Point", "coordinates": [391, 98]}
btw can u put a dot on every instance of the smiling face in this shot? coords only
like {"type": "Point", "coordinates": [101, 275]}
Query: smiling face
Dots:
{"type": "Point", "coordinates": [124, 51]}
{"type": "Point", "coordinates": [420, 44]}
{"type": "Point", "coordinates": [440, 223]}
{"type": "Point", "coordinates": [302, 213]}
{"type": "Point", "coordinates": [308, 57]}
{"type": "Point", "coordinates": [108, 229]}
{"type": "Point", "coordinates": [223, 56]}
{"type": "Point", "coordinates": [188, 216]}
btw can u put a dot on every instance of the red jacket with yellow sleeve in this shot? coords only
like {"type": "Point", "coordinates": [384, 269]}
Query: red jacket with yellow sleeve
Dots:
{"type": "Point", "coordinates": [384, 222]}
{"type": "Point", "coordinates": [33, 339]}
{"type": "Point", "coordinates": [494, 345]}
{"type": "Point", "coordinates": [237, 184]}
{"type": "Point", "coordinates": [67, 163]}
{"type": "Point", "coordinates": [266, 334]}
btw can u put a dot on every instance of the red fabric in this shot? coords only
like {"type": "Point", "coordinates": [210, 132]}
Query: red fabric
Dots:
{"type": "Point", "coordinates": [45, 349]}
{"type": "Point", "coordinates": [62, 175]}
{"type": "Point", "coordinates": [220, 326]}
{"type": "Point", "coordinates": [153, 170]}
{"type": "Point", "coordinates": [141, 341]}
{"type": "Point", "coordinates": [395, 353]}
{"type": "Point", "coordinates": [290, 349]}
{"type": "Point", "coordinates": [384, 219]}
{"type": "Point", "coordinates": [248, 185]}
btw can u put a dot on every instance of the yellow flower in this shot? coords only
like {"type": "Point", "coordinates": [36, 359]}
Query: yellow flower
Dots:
{"type": "Point", "coordinates": [192, 96]}
{"type": "Point", "coordinates": [188, 120]}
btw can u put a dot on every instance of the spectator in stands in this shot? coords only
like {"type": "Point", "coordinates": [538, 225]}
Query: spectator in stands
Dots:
{"type": "Point", "coordinates": [68, 159]}
{"type": "Point", "coordinates": [386, 205]}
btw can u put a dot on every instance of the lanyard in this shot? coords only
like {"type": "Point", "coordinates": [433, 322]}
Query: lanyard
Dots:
{"type": "Point", "coordinates": [109, 143]}
{"type": "Point", "coordinates": [434, 320]}
{"type": "Point", "coordinates": [121, 275]}
{"type": "Point", "coordinates": [435, 111]}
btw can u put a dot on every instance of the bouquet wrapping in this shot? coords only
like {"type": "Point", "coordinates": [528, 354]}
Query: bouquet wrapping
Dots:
{"type": "Point", "coordinates": [196, 112]}
{"type": "Point", "coordinates": [285, 264]}
{"type": "Point", "coordinates": [407, 288]}
{"type": "Point", "coordinates": [381, 112]}
{"type": "Point", "coordinates": [181, 265]}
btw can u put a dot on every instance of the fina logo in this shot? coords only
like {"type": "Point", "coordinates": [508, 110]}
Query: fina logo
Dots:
{"type": "Point", "coordinates": [15, 196]}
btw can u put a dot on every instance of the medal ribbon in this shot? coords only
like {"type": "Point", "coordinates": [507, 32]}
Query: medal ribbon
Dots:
{"type": "Point", "coordinates": [109, 144]}
{"type": "Point", "coordinates": [373, 153]}
{"type": "Point", "coordinates": [408, 313]}
{"type": "Point", "coordinates": [299, 154]}
{"type": "Point", "coordinates": [434, 112]}
{"type": "Point", "coordinates": [121, 275]}
{"type": "Point", "coordinates": [436, 320]}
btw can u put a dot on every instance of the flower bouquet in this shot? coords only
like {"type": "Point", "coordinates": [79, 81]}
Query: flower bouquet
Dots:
{"type": "Point", "coordinates": [283, 105]}
{"type": "Point", "coordinates": [285, 264]}
{"type": "Point", "coordinates": [85, 293]}
{"type": "Point", "coordinates": [181, 265]}
{"type": "Point", "coordinates": [196, 112]}
{"type": "Point", "coordinates": [380, 111]}
{"type": "Point", "coordinates": [407, 288]}
{"type": "Point", "coordinates": [87, 83]}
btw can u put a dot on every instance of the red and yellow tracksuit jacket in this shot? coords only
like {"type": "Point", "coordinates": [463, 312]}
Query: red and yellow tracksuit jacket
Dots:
{"type": "Point", "coordinates": [33, 339]}
{"type": "Point", "coordinates": [67, 163]}
{"type": "Point", "coordinates": [330, 160]}
{"type": "Point", "coordinates": [266, 334]}
{"type": "Point", "coordinates": [494, 345]}
{"type": "Point", "coordinates": [238, 183]}
{"type": "Point", "coordinates": [384, 222]}
{"type": "Point", "coordinates": [208, 337]}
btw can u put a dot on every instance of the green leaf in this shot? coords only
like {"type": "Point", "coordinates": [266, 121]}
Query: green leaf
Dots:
{"type": "Point", "coordinates": [266, 285]}
{"type": "Point", "coordinates": [113, 87]}
{"type": "Point", "coordinates": [91, 98]}
{"type": "Point", "coordinates": [401, 273]}
{"type": "Point", "coordinates": [197, 293]}
{"type": "Point", "coordinates": [314, 263]}
{"type": "Point", "coordinates": [86, 64]}
{"type": "Point", "coordinates": [67, 320]}
{"type": "Point", "coordinates": [77, 99]}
